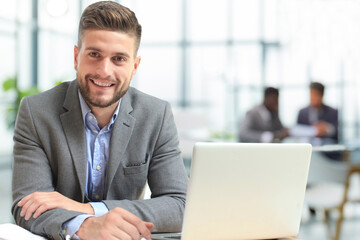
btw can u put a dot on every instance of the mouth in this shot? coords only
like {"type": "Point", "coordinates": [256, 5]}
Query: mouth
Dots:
{"type": "Point", "coordinates": [101, 84]}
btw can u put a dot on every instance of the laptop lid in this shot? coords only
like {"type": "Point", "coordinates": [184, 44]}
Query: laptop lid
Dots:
{"type": "Point", "coordinates": [245, 191]}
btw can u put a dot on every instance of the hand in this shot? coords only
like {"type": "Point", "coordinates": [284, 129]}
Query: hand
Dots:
{"type": "Point", "coordinates": [116, 224]}
{"type": "Point", "coordinates": [39, 202]}
{"type": "Point", "coordinates": [283, 133]}
{"type": "Point", "coordinates": [322, 128]}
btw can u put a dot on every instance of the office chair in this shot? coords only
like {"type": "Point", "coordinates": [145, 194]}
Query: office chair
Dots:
{"type": "Point", "coordinates": [329, 184]}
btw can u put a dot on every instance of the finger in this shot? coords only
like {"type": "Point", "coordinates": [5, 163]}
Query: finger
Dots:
{"type": "Point", "coordinates": [25, 207]}
{"type": "Point", "coordinates": [40, 210]}
{"type": "Point", "coordinates": [122, 235]}
{"type": "Point", "coordinates": [138, 223]}
{"type": "Point", "coordinates": [33, 205]}
{"type": "Point", "coordinates": [29, 200]}
{"type": "Point", "coordinates": [118, 228]}
{"type": "Point", "coordinates": [129, 229]}
{"type": "Point", "coordinates": [23, 201]}
{"type": "Point", "coordinates": [29, 212]}
{"type": "Point", "coordinates": [42, 206]}
{"type": "Point", "coordinates": [149, 225]}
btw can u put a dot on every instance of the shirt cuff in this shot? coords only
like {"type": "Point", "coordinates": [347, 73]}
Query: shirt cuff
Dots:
{"type": "Point", "coordinates": [267, 137]}
{"type": "Point", "coordinates": [72, 226]}
{"type": "Point", "coordinates": [99, 208]}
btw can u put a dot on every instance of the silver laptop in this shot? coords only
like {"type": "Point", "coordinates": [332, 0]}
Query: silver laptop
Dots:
{"type": "Point", "coordinates": [244, 191]}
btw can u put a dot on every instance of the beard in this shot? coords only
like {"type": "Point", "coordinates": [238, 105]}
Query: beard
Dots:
{"type": "Point", "coordinates": [94, 100]}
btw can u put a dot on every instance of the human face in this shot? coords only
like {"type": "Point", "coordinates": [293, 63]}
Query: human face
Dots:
{"type": "Point", "coordinates": [272, 103]}
{"type": "Point", "coordinates": [315, 98]}
{"type": "Point", "coordinates": [105, 64]}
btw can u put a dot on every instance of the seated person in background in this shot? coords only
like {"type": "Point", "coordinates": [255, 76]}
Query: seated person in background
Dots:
{"type": "Point", "coordinates": [262, 123]}
{"type": "Point", "coordinates": [324, 118]}
{"type": "Point", "coordinates": [84, 150]}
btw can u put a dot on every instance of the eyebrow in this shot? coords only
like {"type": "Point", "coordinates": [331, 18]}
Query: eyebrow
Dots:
{"type": "Point", "coordinates": [99, 50]}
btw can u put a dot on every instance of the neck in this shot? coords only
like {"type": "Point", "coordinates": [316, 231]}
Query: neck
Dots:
{"type": "Point", "coordinates": [317, 106]}
{"type": "Point", "coordinates": [104, 115]}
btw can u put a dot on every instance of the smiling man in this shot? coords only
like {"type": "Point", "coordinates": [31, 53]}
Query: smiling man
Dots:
{"type": "Point", "coordinates": [85, 150]}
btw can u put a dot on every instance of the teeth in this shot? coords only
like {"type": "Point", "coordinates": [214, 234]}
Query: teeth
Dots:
{"type": "Point", "coordinates": [102, 84]}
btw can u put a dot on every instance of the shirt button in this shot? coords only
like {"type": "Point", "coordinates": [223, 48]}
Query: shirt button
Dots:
{"type": "Point", "coordinates": [90, 117]}
{"type": "Point", "coordinates": [97, 196]}
{"type": "Point", "coordinates": [98, 167]}
{"type": "Point", "coordinates": [64, 232]}
{"type": "Point", "coordinates": [99, 135]}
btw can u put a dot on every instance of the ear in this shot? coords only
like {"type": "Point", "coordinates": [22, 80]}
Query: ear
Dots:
{"type": "Point", "coordinates": [136, 65]}
{"type": "Point", "coordinates": [76, 54]}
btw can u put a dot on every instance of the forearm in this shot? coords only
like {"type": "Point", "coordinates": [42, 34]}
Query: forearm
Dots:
{"type": "Point", "coordinates": [165, 212]}
{"type": "Point", "coordinates": [32, 172]}
{"type": "Point", "coordinates": [49, 224]}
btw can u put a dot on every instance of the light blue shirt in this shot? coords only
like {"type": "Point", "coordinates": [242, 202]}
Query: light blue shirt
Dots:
{"type": "Point", "coordinates": [97, 155]}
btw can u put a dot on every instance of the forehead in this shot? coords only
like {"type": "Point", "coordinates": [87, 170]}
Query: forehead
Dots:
{"type": "Point", "coordinates": [314, 91]}
{"type": "Point", "coordinates": [108, 41]}
{"type": "Point", "coordinates": [273, 96]}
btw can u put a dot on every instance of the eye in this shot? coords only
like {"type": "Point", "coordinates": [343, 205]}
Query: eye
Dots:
{"type": "Point", "coordinates": [94, 54]}
{"type": "Point", "coordinates": [119, 59]}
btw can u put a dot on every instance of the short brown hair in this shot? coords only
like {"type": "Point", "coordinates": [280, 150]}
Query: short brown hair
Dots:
{"type": "Point", "coordinates": [108, 15]}
{"type": "Point", "coordinates": [271, 91]}
{"type": "Point", "coordinates": [319, 87]}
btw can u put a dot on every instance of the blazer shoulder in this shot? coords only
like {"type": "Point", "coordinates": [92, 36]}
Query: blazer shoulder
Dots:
{"type": "Point", "coordinates": [56, 92]}
{"type": "Point", "coordinates": [303, 113]}
{"type": "Point", "coordinates": [330, 109]}
{"type": "Point", "coordinates": [304, 109]}
{"type": "Point", "coordinates": [255, 111]}
{"type": "Point", "coordinates": [50, 99]}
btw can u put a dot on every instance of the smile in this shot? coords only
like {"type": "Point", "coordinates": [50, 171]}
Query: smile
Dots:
{"type": "Point", "coordinates": [102, 84]}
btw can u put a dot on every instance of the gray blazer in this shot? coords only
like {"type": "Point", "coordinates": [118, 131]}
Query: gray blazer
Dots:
{"type": "Point", "coordinates": [255, 124]}
{"type": "Point", "coordinates": [50, 155]}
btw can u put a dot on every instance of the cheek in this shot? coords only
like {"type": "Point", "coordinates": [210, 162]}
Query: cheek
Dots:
{"type": "Point", "coordinates": [84, 68]}
{"type": "Point", "coordinates": [123, 75]}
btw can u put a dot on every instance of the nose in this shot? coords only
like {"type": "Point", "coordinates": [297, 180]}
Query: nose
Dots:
{"type": "Point", "coordinates": [104, 68]}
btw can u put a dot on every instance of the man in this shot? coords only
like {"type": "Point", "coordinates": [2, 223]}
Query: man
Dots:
{"type": "Point", "coordinates": [262, 123]}
{"type": "Point", "coordinates": [84, 151]}
{"type": "Point", "coordinates": [323, 117]}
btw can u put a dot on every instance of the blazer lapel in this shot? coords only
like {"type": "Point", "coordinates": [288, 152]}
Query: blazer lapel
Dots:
{"type": "Point", "coordinates": [73, 126]}
{"type": "Point", "coordinates": [120, 137]}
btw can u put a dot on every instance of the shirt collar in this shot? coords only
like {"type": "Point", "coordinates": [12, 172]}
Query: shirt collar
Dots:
{"type": "Point", "coordinates": [85, 109]}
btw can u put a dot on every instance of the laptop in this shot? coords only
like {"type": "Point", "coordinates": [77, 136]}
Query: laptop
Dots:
{"type": "Point", "coordinates": [244, 191]}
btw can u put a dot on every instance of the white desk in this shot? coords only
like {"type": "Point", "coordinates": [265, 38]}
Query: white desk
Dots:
{"type": "Point", "coordinates": [10, 231]}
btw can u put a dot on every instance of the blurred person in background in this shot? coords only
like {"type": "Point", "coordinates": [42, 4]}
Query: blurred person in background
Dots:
{"type": "Point", "coordinates": [262, 123]}
{"type": "Point", "coordinates": [319, 115]}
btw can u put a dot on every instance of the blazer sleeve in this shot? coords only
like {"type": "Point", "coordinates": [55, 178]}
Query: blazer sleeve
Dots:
{"type": "Point", "coordinates": [167, 180]}
{"type": "Point", "coordinates": [32, 173]}
{"type": "Point", "coordinates": [248, 131]}
{"type": "Point", "coordinates": [303, 116]}
{"type": "Point", "coordinates": [331, 116]}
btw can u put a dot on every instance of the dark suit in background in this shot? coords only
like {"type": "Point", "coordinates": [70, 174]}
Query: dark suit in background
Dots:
{"type": "Point", "coordinates": [325, 114]}
{"type": "Point", "coordinates": [312, 116]}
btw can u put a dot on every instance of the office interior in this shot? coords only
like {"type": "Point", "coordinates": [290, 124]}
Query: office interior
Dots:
{"type": "Point", "coordinates": [211, 59]}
